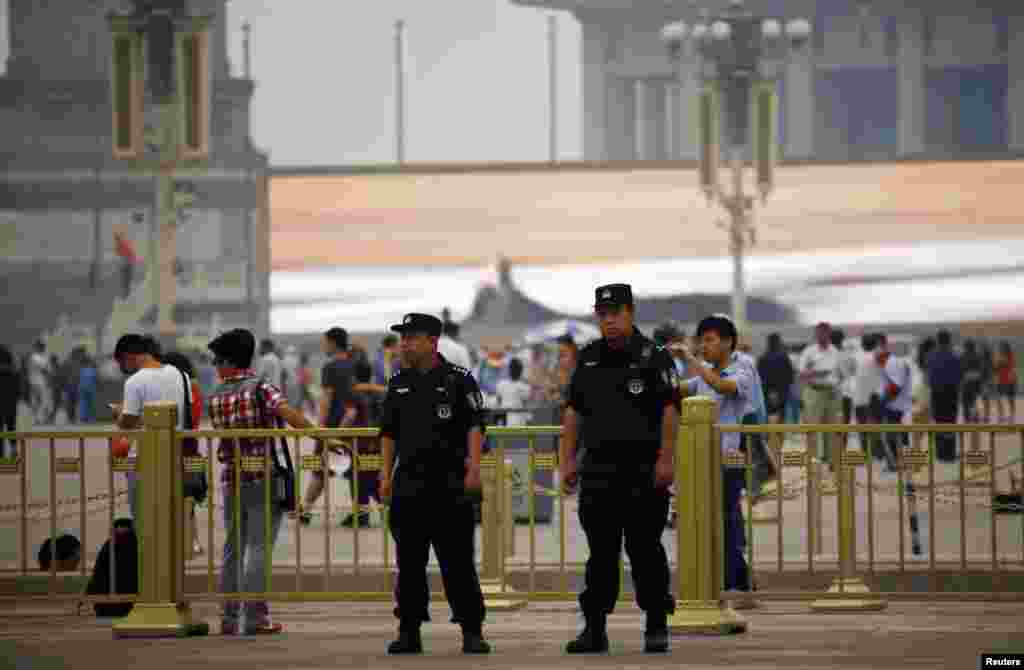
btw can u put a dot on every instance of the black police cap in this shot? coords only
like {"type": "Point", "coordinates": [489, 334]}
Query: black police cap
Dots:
{"type": "Point", "coordinates": [419, 324]}
{"type": "Point", "coordinates": [613, 295]}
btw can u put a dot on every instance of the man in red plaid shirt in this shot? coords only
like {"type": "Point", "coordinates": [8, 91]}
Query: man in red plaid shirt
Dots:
{"type": "Point", "coordinates": [244, 401]}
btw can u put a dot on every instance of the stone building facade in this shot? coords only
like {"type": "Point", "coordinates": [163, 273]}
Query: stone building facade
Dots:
{"type": "Point", "coordinates": [877, 81]}
{"type": "Point", "coordinates": [63, 195]}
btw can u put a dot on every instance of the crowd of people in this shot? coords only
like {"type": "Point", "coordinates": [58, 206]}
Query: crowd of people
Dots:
{"type": "Point", "coordinates": [430, 393]}
{"type": "Point", "coordinates": [838, 379]}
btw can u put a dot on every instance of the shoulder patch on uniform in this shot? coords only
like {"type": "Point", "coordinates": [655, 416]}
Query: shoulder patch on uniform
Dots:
{"type": "Point", "coordinates": [460, 370]}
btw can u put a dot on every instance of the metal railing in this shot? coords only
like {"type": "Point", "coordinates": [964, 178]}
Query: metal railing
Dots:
{"type": "Point", "coordinates": [170, 576]}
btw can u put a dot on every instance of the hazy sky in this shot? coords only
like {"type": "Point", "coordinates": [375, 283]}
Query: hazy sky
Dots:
{"type": "Point", "coordinates": [476, 79]}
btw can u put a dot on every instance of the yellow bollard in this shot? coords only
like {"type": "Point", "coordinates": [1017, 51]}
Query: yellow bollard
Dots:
{"type": "Point", "coordinates": [497, 595]}
{"type": "Point", "coordinates": [856, 596]}
{"type": "Point", "coordinates": [699, 529]}
{"type": "Point", "coordinates": [160, 610]}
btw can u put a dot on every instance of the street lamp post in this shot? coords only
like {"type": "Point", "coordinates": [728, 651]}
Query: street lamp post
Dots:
{"type": "Point", "coordinates": [731, 50]}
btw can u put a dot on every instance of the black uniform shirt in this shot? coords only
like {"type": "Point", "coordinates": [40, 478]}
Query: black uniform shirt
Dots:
{"type": "Point", "coordinates": [429, 416]}
{"type": "Point", "coordinates": [622, 395]}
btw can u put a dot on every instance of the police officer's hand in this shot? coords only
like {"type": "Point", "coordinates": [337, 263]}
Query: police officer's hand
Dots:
{"type": "Point", "coordinates": [664, 473]}
{"type": "Point", "coordinates": [472, 481]}
{"type": "Point", "coordinates": [569, 476]}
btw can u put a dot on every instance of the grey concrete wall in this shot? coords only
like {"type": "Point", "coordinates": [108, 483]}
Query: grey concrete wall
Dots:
{"type": "Point", "coordinates": [1015, 97]}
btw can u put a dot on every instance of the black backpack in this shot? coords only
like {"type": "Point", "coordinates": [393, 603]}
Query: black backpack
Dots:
{"type": "Point", "coordinates": [126, 554]}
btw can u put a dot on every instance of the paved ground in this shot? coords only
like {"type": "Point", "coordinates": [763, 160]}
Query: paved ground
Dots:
{"type": "Point", "coordinates": [332, 636]}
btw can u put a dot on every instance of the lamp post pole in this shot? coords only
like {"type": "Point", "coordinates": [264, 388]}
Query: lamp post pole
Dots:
{"type": "Point", "coordinates": [734, 45]}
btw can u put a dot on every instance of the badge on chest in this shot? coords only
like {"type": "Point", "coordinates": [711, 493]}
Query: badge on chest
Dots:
{"type": "Point", "coordinates": [636, 386]}
{"type": "Point", "coordinates": [444, 411]}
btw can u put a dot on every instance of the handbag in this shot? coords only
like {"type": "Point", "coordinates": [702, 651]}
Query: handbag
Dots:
{"type": "Point", "coordinates": [195, 484]}
{"type": "Point", "coordinates": [283, 476]}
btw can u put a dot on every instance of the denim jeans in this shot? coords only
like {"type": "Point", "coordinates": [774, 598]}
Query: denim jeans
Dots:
{"type": "Point", "coordinates": [737, 573]}
{"type": "Point", "coordinates": [246, 557]}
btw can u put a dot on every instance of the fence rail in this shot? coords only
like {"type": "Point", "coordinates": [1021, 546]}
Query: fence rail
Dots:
{"type": "Point", "coordinates": [849, 522]}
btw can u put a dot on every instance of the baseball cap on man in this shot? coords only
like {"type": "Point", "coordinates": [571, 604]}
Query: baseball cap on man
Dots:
{"type": "Point", "coordinates": [235, 347]}
{"type": "Point", "coordinates": [423, 324]}
{"type": "Point", "coordinates": [613, 295]}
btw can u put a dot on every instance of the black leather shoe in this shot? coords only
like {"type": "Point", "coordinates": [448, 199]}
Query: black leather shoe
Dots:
{"type": "Point", "coordinates": [590, 641]}
{"type": "Point", "coordinates": [408, 642]}
{"type": "Point", "coordinates": [474, 643]}
{"type": "Point", "coordinates": [656, 641]}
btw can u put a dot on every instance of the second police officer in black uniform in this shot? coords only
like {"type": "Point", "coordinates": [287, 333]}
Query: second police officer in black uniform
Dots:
{"type": "Point", "coordinates": [431, 434]}
{"type": "Point", "coordinates": [626, 390]}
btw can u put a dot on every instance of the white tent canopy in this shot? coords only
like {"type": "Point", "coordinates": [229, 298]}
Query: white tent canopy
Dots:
{"type": "Point", "coordinates": [581, 331]}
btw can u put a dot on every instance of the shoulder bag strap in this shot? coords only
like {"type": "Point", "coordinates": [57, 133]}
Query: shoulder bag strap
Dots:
{"type": "Point", "coordinates": [188, 401]}
{"type": "Point", "coordinates": [276, 423]}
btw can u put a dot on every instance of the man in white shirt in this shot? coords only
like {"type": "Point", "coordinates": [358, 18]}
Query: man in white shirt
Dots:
{"type": "Point", "coordinates": [818, 368]}
{"type": "Point", "coordinates": [39, 374]}
{"type": "Point", "coordinates": [270, 367]}
{"type": "Point", "coordinates": [514, 393]}
{"type": "Point", "coordinates": [896, 391]}
{"type": "Point", "coordinates": [149, 381]}
{"type": "Point", "coordinates": [866, 382]}
{"type": "Point", "coordinates": [451, 349]}
{"type": "Point", "coordinates": [845, 371]}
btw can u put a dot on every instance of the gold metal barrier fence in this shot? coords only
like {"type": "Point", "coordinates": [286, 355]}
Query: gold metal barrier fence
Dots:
{"type": "Point", "coordinates": [170, 577]}
{"type": "Point", "coordinates": [24, 522]}
{"type": "Point", "coordinates": [970, 484]}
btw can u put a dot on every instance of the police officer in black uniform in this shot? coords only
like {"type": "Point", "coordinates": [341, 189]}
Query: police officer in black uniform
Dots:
{"type": "Point", "coordinates": [626, 390]}
{"type": "Point", "coordinates": [432, 427]}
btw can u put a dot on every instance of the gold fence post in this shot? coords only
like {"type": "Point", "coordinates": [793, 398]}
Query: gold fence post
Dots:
{"type": "Point", "coordinates": [700, 554]}
{"type": "Point", "coordinates": [856, 595]}
{"type": "Point", "coordinates": [159, 610]}
{"type": "Point", "coordinates": [507, 513]}
{"type": "Point", "coordinates": [497, 596]}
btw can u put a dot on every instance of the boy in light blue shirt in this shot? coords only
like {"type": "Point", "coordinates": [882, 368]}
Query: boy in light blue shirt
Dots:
{"type": "Point", "coordinates": [726, 380]}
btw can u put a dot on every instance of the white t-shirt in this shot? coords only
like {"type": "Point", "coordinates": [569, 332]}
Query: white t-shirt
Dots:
{"type": "Point", "coordinates": [454, 352]}
{"type": "Point", "coordinates": [897, 371]}
{"type": "Point", "coordinates": [154, 385]}
{"type": "Point", "coordinates": [867, 380]}
{"type": "Point", "coordinates": [38, 367]}
{"type": "Point", "coordinates": [848, 370]}
{"type": "Point", "coordinates": [514, 395]}
{"type": "Point", "coordinates": [823, 362]}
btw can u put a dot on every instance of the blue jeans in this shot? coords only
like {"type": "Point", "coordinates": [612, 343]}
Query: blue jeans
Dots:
{"type": "Point", "coordinates": [737, 574]}
{"type": "Point", "coordinates": [86, 405]}
{"type": "Point", "coordinates": [247, 558]}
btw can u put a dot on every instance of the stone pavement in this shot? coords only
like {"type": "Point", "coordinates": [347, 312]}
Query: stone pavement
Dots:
{"type": "Point", "coordinates": [355, 635]}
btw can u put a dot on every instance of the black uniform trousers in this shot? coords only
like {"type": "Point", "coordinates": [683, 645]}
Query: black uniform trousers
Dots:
{"type": "Point", "coordinates": [619, 501]}
{"type": "Point", "coordinates": [442, 519]}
